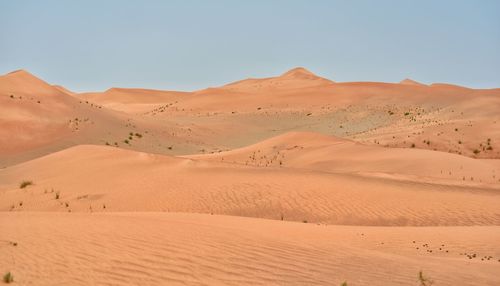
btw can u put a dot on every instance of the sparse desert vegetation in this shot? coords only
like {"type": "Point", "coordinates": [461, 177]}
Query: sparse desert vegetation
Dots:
{"type": "Point", "coordinates": [423, 280]}
{"type": "Point", "coordinates": [25, 184]}
{"type": "Point", "coordinates": [8, 278]}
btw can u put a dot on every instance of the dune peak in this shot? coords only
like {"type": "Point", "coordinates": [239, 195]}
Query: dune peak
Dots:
{"type": "Point", "coordinates": [24, 77]}
{"type": "Point", "coordinates": [21, 73]}
{"type": "Point", "coordinates": [298, 72]}
{"type": "Point", "coordinates": [409, 81]}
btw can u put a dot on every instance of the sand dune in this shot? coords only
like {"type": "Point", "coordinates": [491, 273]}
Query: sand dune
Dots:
{"type": "Point", "coordinates": [134, 100]}
{"type": "Point", "coordinates": [437, 117]}
{"type": "Point", "coordinates": [122, 180]}
{"type": "Point", "coordinates": [33, 114]}
{"type": "Point", "coordinates": [323, 153]}
{"type": "Point", "coordinates": [292, 79]}
{"type": "Point", "coordinates": [410, 82]}
{"type": "Point", "coordinates": [37, 119]}
{"type": "Point", "coordinates": [288, 180]}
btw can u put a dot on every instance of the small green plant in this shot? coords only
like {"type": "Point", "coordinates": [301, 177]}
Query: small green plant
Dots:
{"type": "Point", "coordinates": [125, 141]}
{"type": "Point", "coordinates": [24, 184]}
{"type": "Point", "coordinates": [424, 281]}
{"type": "Point", "coordinates": [8, 278]}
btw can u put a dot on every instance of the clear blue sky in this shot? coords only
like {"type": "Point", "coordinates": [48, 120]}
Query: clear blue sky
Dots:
{"type": "Point", "coordinates": [187, 45]}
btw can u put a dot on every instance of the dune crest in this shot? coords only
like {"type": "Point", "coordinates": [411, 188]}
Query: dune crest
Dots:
{"type": "Point", "coordinates": [409, 81]}
{"type": "Point", "coordinates": [295, 78]}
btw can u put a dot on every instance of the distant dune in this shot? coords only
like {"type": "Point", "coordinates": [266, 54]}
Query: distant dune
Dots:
{"type": "Point", "coordinates": [437, 117]}
{"type": "Point", "coordinates": [410, 82]}
{"type": "Point", "coordinates": [292, 79]}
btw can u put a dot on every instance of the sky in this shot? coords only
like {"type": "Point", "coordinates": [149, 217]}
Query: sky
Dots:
{"type": "Point", "coordinates": [189, 45]}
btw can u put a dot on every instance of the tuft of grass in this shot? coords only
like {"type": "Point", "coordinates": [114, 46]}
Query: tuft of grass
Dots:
{"type": "Point", "coordinates": [57, 195]}
{"type": "Point", "coordinates": [8, 278]}
{"type": "Point", "coordinates": [424, 281]}
{"type": "Point", "coordinates": [25, 183]}
{"type": "Point", "coordinates": [476, 151]}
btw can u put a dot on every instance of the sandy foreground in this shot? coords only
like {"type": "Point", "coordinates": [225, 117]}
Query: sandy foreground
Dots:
{"type": "Point", "coordinates": [286, 180]}
{"type": "Point", "coordinates": [199, 249]}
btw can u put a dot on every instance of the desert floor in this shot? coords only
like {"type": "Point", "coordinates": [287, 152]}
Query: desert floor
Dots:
{"type": "Point", "coordinates": [287, 180]}
{"type": "Point", "coordinates": [197, 249]}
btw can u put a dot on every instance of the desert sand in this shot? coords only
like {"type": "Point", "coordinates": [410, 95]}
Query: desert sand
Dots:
{"type": "Point", "coordinates": [288, 180]}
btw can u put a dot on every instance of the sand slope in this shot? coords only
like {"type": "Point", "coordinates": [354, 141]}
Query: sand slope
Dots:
{"type": "Point", "coordinates": [134, 100]}
{"type": "Point", "coordinates": [314, 151]}
{"type": "Point", "coordinates": [180, 249]}
{"type": "Point", "coordinates": [37, 119]}
{"type": "Point", "coordinates": [105, 179]}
